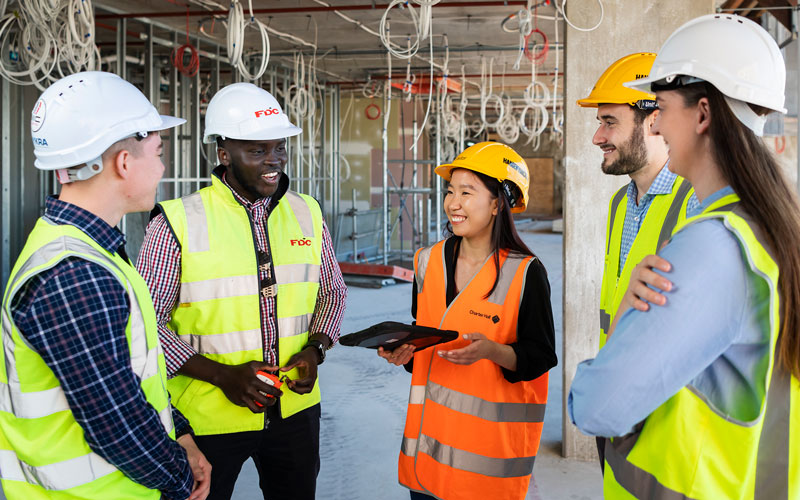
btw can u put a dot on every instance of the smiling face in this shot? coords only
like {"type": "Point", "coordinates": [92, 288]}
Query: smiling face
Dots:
{"type": "Point", "coordinates": [253, 167]}
{"type": "Point", "coordinates": [621, 139]}
{"type": "Point", "coordinates": [469, 205]}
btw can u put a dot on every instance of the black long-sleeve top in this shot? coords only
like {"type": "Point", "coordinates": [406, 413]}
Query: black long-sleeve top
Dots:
{"type": "Point", "coordinates": [536, 345]}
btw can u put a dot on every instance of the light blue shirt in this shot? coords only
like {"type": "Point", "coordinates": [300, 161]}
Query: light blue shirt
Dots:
{"type": "Point", "coordinates": [636, 212]}
{"type": "Point", "coordinates": [711, 335]}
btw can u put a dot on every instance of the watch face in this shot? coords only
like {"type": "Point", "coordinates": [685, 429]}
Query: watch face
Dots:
{"type": "Point", "coordinates": [320, 349]}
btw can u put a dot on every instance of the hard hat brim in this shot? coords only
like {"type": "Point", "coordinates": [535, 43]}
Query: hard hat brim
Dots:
{"type": "Point", "coordinates": [168, 122]}
{"type": "Point", "coordinates": [643, 84]}
{"type": "Point", "coordinates": [258, 135]}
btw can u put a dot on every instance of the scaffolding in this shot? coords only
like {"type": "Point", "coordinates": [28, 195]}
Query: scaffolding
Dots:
{"type": "Point", "coordinates": [313, 164]}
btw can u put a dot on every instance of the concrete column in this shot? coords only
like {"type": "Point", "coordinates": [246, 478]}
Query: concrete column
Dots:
{"type": "Point", "coordinates": [629, 26]}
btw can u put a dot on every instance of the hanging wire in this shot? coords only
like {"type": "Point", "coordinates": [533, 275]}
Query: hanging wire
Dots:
{"type": "Point", "coordinates": [43, 40]}
{"type": "Point", "coordinates": [561, 9]}
{"type": "Point", "coordinates": [187, 69]}
{"type": "Point", "coordinates": [236, 34]}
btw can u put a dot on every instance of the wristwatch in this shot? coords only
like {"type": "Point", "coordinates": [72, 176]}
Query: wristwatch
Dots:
{"type": "Point", "coordinates": [316, 344]}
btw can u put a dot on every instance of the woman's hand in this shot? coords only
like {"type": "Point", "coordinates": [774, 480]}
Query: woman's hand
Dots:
{"type": "Point", "coordinates": [639, 292]}
{"type": "Point", "coordinates": [399, 356]}
{"type": "Point", "coordinates": [479, 348]}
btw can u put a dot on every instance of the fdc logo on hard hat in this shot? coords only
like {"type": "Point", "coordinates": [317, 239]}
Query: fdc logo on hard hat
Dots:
{"type": "Point", "coordinates": [267, 112]}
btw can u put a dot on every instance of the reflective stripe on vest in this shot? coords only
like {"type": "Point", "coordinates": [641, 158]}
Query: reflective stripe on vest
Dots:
{"type": "Point", "coordinates": [32, 403]}
{"type": "Point", "coordinates": [448, 408]}
{"type": "Point", "coordinates": [466, 461]}
{"type": "Point", "coordinates": [236, 286]}
{"type": "Point", "coordinates": [664, 213]}
{"type": "Point", "coordinates": [475, 406]}
{"type": "Point", "coordinates": [57, 477]}
{"type": "Point", "coordinates": [218, 310]}
{"type": "Point", "coordinates": [721, 457]}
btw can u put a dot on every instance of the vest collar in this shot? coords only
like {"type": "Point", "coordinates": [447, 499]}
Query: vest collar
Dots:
{"type": "Point", "coordinates": [226, 193]}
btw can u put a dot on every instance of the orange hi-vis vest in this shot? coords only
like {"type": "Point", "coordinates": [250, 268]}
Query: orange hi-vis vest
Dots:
{"type": "Point", "coordinates": [469, 432]}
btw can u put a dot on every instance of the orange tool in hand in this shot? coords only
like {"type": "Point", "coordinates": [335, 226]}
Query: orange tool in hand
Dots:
{"type": "Point", "coordinates": [269, 379]}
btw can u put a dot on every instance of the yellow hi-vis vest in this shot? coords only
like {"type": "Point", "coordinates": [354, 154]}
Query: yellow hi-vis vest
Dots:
{"type": "Point", "coordinates": [218, 308]}
{"type": "Point", "coordinates": [686, 449]}
{"type": "Point", "coordinates": [665, 212]}
{"type": "Point", "coordinates": [43, 452]}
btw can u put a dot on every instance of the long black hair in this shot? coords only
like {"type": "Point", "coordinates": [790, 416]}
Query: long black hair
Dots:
{"type": "Point", "coordinates": [504, 233]}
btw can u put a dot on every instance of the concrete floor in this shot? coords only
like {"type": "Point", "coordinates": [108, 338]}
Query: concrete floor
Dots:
{"type": "Point", "coordinates": [364, 403]}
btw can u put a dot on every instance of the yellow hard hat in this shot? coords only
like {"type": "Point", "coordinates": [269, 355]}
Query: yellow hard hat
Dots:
{"type": "Point", "coordinates": [609, 88]}
{"type": "Point", "coordinates": [498, 161]}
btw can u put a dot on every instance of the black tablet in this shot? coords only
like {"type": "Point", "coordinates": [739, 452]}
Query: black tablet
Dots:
{"type": "Point", "coordinates": [391, 334]}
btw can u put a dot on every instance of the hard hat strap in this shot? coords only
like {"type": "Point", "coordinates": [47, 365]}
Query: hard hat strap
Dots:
{"type": "Point", "coordinates": [89, 170]}
{"type": "Point", "coordinates": [673, 82]}
{"type": "Point", "coordinates": [646, 105]}
{"type": "Point", "coordinates": [745, 114]}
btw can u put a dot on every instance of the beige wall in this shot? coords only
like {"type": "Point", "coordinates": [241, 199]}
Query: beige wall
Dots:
{"type": "Point", "coordinates": [629, 26]}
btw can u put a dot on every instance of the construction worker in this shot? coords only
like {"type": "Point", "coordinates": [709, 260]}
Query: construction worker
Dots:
{"type": "Point", "coordinates": [642, 213]}
{"type": "Point", "coordinates": [701, 386]}
{"type": "Point", "coordinates": [477, 403]}
{"type": "Point", "coordinates": [245, 279]}
{"type": "Point", "coordinates": [84, 411]}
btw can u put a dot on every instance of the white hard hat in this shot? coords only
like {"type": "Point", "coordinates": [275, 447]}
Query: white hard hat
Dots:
{"type": "Point", "coordinates": [79, 117]}
{"type": "Point", "coordinates": [246, 112]}
{"type": "Point", "coordinates": [732, 53]}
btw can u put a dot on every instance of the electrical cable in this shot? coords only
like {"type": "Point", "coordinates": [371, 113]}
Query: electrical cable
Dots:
{"type": "Point", "coordinates": [541, 56]}
{"type": "Point", "coordinates": [430, 87]}
{"type": "Point", "coordinates": [525, 28]}
{"type": "Point", "coordinates": [236, 37]}
{"type": "Point", "coordinates": [45, 39]}
{"type": "Point", "coordinates": [178, 53]}
{"type": "Point", "coordinates": [385, 31]}
{"type": "Point", "coordinates": [562, 10]}
{"type": "Point", "coordinates": [408, 85]}
{"type": "Point", "coordinates": [557, 132]}
{"type": "Point", "coordinates": [487, 96]}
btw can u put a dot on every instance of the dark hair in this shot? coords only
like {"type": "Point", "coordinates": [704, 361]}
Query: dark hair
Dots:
{"type": "Point", "coordinates": [766, 197]}
{"type": "Point", "coordinates": [640, 114]}
{"type": "Point", "coordinates": [504, 233]}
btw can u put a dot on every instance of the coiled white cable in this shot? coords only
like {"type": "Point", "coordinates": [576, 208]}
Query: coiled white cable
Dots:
{"type": "Point", "coordinates": [508, 125]}
{"type": "Point", "coordinates": [385, 31]}
{"type": "Point", "coordinates": [236, 34]}
{"type": "Point", "coordinates": [45, 39]}
{"type": "Point", "coordinates": [372, 88]}
{"type": "Point", "coordinates": [525, 28]}
{"type": "Point", "coordinates": [561, 9]}
{"type": "Point", "coordinates": [81, 23]}
{"type": "Point", "coordinates": [488, 95]}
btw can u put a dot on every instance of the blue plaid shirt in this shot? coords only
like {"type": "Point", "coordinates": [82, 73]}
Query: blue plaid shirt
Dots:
{"type": "Point", "coordinates": [635, 214]}
{"type": "Point", "coordinates": [74, 315]}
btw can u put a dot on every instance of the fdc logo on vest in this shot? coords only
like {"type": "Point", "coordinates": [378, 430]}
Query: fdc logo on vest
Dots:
{"type": "Point", "coordinates": [305, 242]}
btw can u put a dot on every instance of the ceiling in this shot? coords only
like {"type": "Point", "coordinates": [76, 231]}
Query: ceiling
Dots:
{"type": "Point", "coordinates": [348, 51]}
{"type": "Point", "coordinates": [342, 36]}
